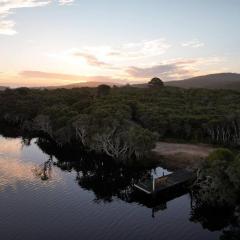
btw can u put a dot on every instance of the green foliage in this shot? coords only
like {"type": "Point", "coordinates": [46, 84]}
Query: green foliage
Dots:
{"type": "Point", "coordinates": [103, 90]}
{"type": "Point", "coordinates": [219, 178]}
{"type": "Point", "coordinates": [193, 115]}
{"type": "Point", "coordinates": [141, 140]}
{"type": "Point", "coordinates": [155, 83]}
{"type": "Point", "coordinates": [221, 157]}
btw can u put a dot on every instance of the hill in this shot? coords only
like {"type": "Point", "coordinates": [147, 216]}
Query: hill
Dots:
{"type": "Point", "coordinates": [2, 88]}
{"type": "Point", "coordinates": [211, 81]}
{"type": "Point", "coordinates": [84, 84]}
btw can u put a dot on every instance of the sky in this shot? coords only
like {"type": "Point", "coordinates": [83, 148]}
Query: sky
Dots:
{"type": "Point", "coordinates": [57, 42]}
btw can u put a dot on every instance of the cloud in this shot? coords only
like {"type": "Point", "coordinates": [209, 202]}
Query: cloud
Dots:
{"type": "Point", "coordinates": [8, 6]}
{"type": "Point", "coordinates": [195, 43]}
{"type": "Point", "coordinates": [7, 27]}
{"type": "Point", "coordinates": [113, 57]}
{"type": "Point", "coordinates": [91, 59]}
{"type": "Point", "coordinates": [173, 69]}
{"type": "Point", "coordinates": [146, 48]}
{"type": "Point", "coordinates": [66, 2]}
{"type": "Point", "coordinates": [47, 75]}
{"type": "Point", "coordinates": [167, 71]}
{"type": "Point", "coordinates": [50, 78]}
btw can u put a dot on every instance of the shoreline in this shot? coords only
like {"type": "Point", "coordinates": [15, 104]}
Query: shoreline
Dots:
{"type": "Point", "coordinates": [181, 155]}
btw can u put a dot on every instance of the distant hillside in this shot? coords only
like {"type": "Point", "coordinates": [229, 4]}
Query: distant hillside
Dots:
{"type": "Point", "coordinates": [2, 88]}
{"type": "Point", "coordinates": [211, 81]}
{"type": "Point", "coordinates": [85, 84]}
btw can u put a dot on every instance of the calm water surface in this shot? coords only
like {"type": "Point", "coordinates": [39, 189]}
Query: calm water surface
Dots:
{"type": "Point", "coordinates": [42, 198]}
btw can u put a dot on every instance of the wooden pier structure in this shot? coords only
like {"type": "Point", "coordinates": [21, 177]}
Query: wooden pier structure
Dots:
{"type": "Point", "coordinates": [163, 183]}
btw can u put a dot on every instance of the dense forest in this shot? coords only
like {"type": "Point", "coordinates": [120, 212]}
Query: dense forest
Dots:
{"type": "Point", "coordinates": [125, 122]}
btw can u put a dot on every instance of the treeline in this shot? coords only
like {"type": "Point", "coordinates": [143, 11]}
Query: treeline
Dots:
{"type": "Point", "coordinates": [215, 193]}
{"type": "Point", "coordinates": [125, 122]}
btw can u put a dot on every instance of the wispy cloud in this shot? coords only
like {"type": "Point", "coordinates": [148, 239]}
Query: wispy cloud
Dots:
{"type": "Point", "coordinates": [114, 57]}
{"type": "Point", "coordinates": [49, 75]}
{"type": "Point", "coordinates": [66, 2]}
{"type": "Point", "coordinates": [51, 78]}
{"type": "Point", "coordinates": [7, 27]}
{"type": "Point", "coordinates": [195, 43]}
{"type": "Point", "coordinates": [136, 61]}
{"type": "Point", "coordinates": [172, 69]}
{"type": "Point", "coordinates": [7, 8]}
{"type": "Point", "coordinates": [91, 59]}
{"type": "Point", "coordinates": [166, 71]}
{"type": "Point", "coordinates": [146, 48]}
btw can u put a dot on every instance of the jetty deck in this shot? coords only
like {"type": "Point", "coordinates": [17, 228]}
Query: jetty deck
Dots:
{"type": "Point", "coordinates": [175, 179]}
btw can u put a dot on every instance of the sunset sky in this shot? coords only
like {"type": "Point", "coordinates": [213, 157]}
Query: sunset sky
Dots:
{"type": "Point", "coordinates": [56, 42]}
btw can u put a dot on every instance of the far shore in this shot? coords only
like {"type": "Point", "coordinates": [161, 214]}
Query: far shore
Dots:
{"type": "Point", "coordinates": [181, 155]}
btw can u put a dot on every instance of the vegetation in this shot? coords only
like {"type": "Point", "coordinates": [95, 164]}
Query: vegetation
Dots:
{"type": "Point", "coordinates": [218, 180]}
{"type": "Point", "coordinates": [155, 83]}
{"type": "Point", "coordinates": [103, 90]}
{"type": "Point", "coordinates": [124, 122]}
{"type": "Point", "coordinates": [216, 193]}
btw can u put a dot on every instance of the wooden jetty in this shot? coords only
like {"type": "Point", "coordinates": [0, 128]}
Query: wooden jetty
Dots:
{"type": "Point", "coordinates": [167, 182]}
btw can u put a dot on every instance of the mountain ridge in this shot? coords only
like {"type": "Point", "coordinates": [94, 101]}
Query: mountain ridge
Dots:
{"type": "Point", "coordinates": [210, 81]}
{"type": "Point", "coordinates": [229, 81]}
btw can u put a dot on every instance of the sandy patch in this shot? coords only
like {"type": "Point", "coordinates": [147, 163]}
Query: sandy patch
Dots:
{"type": "Point", "coordinates": [179, 155]}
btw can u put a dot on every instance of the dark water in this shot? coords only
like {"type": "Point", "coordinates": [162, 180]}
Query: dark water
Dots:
{"type": "Point", "coordinates": [43, 198]}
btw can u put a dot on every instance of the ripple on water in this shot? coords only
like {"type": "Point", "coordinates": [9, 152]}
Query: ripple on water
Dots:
{"type": "Point", "coordinates": [59, 208]}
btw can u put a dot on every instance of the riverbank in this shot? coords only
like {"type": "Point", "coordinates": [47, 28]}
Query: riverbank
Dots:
{"type": "Point", "coordinates": [180, 155]}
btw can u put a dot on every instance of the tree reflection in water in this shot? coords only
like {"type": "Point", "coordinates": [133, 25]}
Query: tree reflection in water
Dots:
{"type": "Point", "coordinates": [216, 194]}
{"type": "Point", "coordinates": [110, 180]}
{"type": "Point", "coordinates": [218, 218]}
{"type": "Point", "coordinates": [44, 171]}
{"type": "Point", "coordinates": [101, 175]}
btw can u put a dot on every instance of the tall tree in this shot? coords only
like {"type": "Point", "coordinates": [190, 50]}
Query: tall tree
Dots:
{"type": "Point", "coordinates": [155, 83]}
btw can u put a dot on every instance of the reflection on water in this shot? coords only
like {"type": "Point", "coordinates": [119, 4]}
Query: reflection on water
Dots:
{"type": "Point", "coordinates": [91, 198]}
{"type": "Point", "coordinates": [13, 171]}
{"type": "Point", "coordinates": [44, 171]}
{"type": "Point", "coordinates": [10, 147]}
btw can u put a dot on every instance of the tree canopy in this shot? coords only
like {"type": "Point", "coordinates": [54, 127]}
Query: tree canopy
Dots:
{"type": "Point", "coordinates": [125, 115]}
{"type": "Point", "coordinates": [155, 82]}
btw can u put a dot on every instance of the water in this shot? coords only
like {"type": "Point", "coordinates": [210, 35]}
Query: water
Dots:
{"type": "Point", "coordinates": [43, 198]}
